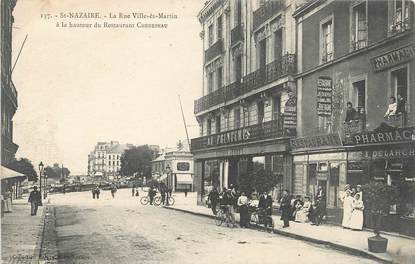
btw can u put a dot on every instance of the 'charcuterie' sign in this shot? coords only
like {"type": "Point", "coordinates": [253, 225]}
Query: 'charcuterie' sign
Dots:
{"type": "Point", "coordinates": [324, 96]}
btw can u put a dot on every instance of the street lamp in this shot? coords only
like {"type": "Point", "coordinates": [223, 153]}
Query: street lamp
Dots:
{"type": "Point", "coordinates": [40, 181]}
{"type": "Point", "coordinates": [168, 172]}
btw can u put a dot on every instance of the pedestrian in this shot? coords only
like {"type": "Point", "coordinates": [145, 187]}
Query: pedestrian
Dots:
{"type": "Point", "coordinates": [320, 211]}
{"type": "Point", "coordinates": [356, 219]}
{"type": "Point", "coordinates": [296, 206]}
{"type": "Point", "coordinates": [133, 191]}
{"type": "Point", "coordinates": [347, 209]}
{"type": "Point", "coordinates": [93, 193]}
{"type": "Point", "coordinates": [359, 191]}
{"type": "Point", "coordinates": [151, 194]}
{"type": "Point", "coordinates": [243, 210]}
{"type": "Point", "coordinates": [185, 192]}
{"type": "Point", "coordinates": [268, 209]}
{"type": "Point", "coordinates": [285, 207]}
{"type": "Point", "coordinates": [34, 199]}
{"type": "Point", "coordinates": [302, 215]}
{"type": "Point", "coordinates": [136, 192]}
{"type": "Point", "coordinates": [163, 194]}
{"type": "Point", "coordinates": [213, 198]}
{"type": "Point", "coordinates": [113, 190]}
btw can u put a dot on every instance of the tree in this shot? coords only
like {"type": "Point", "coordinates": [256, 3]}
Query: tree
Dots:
{"type": "Point", "coordinates": [136, 160]}
{"type": "Point", "coordinates": [25, 167]}
{"type": "Point", "coordinates": [56, 172]}
{"type": "Point", "coordinates": [263, 179]}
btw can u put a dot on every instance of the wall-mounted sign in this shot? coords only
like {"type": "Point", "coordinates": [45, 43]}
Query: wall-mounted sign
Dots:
{"type": "Point", "coordinates": [290, 113]}
{"type": "Point", "coordinates": [324, 96]}
{"type": "Point", "coordinates": [330, 140]}
{"type": "Point", "coordinates": [393, 58]}
{"type": "Point", "coordinates": [234, 136]}
{"type": "Point", "coordinates": [183, 166]}
{"type": "Point", "coordinates": [395, 135]}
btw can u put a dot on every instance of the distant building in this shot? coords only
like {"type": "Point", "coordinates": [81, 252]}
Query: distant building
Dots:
{"type": "Point", "coordinates": [105, 159]}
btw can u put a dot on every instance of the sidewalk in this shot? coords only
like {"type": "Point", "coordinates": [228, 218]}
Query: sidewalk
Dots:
{"type": "Point", "coordinates": [21, 234]}
{"type": "Point", "coordinates": [400, 249]}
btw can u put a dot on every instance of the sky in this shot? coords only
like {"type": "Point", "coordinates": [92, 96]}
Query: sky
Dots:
{"type": "Point", "coordinates": [78, 86]}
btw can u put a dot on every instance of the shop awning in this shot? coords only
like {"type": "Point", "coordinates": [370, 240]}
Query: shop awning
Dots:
{"type": "Point", "coordinates": [9, 174]}
{"type": "Point", "coordinates": [184, 178]}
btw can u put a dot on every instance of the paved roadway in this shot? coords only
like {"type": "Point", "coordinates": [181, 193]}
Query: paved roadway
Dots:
{"type": "Point", "coordinates": [122, 231]}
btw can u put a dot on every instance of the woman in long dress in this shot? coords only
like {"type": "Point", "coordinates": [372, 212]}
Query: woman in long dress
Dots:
{"type": "Point", "coordinates": [347, 209]}
{"type": "Point", "coordinates": [302, 215]}
{"type": "Point", "coordinates": [356, 220]}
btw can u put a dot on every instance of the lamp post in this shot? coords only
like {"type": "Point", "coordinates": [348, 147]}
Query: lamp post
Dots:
{"type": "Point", "coordinates": [168, 172]}
{"type": "Point", "coordinates": [40, 181]}
{"type": "Point", "coordinates": [45, 193]}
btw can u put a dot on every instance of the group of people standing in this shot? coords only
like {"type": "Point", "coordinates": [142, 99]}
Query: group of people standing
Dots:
{"type": "Point", "coordinates": [352, 207]}
{"type": "Point", "coordinates": [96, 191]}
{"type": "Point", "coordinates": [303, 211]}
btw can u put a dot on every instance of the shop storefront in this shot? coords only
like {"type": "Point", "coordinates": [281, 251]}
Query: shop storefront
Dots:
{"type": "Point", "coordinates": [221, 163]}
{"type": "Point", "coordinates": [387, 154]}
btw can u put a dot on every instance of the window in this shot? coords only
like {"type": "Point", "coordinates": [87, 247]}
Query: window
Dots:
{"type": "Point", "coordinates": [400, 88]}
{"type": "Point", "coordinates": [360, 94]}
{"type": "Point", "coordinates": [209, 126]}
{"type": "Point", "coordinates": [238, 69]}
{"type": "Point", "coordinates": [276, 113]}
{"type": "Point", "coordinates": [327, 41]}
{"type": "Point", "coordinates": [219, 27]}
{"type": "Point", "coordinates": [401, 15]}
{"type": "Point", "coordinates": [238, 12]}
{"type": "Point", "coordinates": [262, 53]}
{"type": "Point", "coordinates": [210, 35]}
{"type": "Point", "coordinates": [217, 124]}
{"type": "Point", "coordinates": [278, 44]}
{"type": "Point", "coordinates": [237, 117]}
{"type": "Point", "coordinates": [359, 27]}
{"type": "Point", "coordinates": [210, 82]}
{"type": "Point", "coordinates": [260, 112]}
{"type": "Point", "coordinates": [219, 73]}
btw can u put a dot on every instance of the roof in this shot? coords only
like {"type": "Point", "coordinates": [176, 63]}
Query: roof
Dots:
{"type": "Point", "coordinates": [9, 174]}
{"type": "Point", "coordinates": [306, 6]}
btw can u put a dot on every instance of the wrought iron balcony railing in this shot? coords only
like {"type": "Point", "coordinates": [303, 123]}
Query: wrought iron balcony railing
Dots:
{"type": "Point", "coordinates": [266, 130]}
{"type": "Point", "coordinates": [266, 11]}
{"type": "Point", "coordinates": [286, 65]}
{"type": "Point", "coordinates": [213, 51]}
{"type": "Point", "coordinates": [237, 34]}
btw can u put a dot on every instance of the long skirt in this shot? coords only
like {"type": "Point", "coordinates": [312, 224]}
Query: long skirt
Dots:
{"type": "Point", "coordinates": [356, 220]}
{"type": "Point", "coordinates": [301, 216]}
{"type": "Point", "coordinates": [347, 214]}
{"type": "Point", "coordinates": [244, 216]}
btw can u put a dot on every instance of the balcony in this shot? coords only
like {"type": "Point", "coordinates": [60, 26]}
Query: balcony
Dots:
{"type": "Point", "coordinates": [237, 34]}
{"type": "Point", "coordinates": [273, 71]}
{"type": "Point", "coordinates": [399, 25]}
{"type": "Point", "coordinates": [266, 11]}
{"type": "Point", "coordinates": [213, 51]}
{"type": "Point", "coordinates": [267, 130]}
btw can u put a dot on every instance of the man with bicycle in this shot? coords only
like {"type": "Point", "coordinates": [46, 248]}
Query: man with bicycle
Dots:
{"type": "Point", "coordinates": [228, 202]}
{"type": "Point", "coordinates": [265, 207]}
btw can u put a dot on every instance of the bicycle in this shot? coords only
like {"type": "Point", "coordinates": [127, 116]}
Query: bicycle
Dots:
{"type": "Point", "coordinates": [146, 200]}
{"type": "Point", "coordinates": [223, 216]}
{"type": "Point", "coordinates": [157, 200]}
{"type": "Point", "coordinates": [259, 217]}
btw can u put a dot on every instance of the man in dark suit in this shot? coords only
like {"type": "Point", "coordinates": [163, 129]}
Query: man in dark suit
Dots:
{"type": "Point", "coordinates": [285, 206]}
{"type": "Point", "coordinates": [34, 200]}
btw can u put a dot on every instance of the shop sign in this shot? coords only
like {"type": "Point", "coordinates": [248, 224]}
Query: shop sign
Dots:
{"type": "Point", "coordinates": [234, 136]}
{"type": "Point", "coordinates": [322, 176]}
{"type": "Point", "coordinates": [329, 140]}
{"type": "Point", "coordinates": [183, 166]}
{"type": "Point", "coordinates": [393, 58]}
{"type": "Point", "coordinates": [395, 135]}
{"type": "Point", "coordinates": [290, 113]}
{"type": "Point", "coordinates": [324, 96]}
{"type": "Point", "coordinates": [394, 153]}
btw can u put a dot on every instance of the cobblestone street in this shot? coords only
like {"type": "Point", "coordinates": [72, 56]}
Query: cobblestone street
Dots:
{"type": "Point", "coordinates": [122, 231]}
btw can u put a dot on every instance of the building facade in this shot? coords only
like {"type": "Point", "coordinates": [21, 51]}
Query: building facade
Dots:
{"type": "Point", "coordinates": [105, 159]}
{"type": "Point", "coordinates": [8, 90]}
{"type": "Point", "coordinates": [247, 110]}
{"type": "Point", "coordinates": [360, 52]}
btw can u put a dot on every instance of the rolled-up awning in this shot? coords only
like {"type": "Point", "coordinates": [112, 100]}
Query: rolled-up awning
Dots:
{"type": "Point", "coordinates": [184, 178]}
{"type": "Point", "coordinates": [6, 173]}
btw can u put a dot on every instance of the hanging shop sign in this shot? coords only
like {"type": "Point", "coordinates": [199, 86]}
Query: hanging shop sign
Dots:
{"type": "Point", "coordinates": [290, 113]}
{"type": "Point", "coordinates": [324, 96]}
{"type": "Point", "coordinates": [318, 141]}
{"type": "Point", "coordinates": [393, 58]}
{"type": "Point", "coordinates": [394, 135]}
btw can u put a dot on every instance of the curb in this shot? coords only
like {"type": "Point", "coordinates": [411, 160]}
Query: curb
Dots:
{"type": "Point", "coordinates": [350, 250]}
